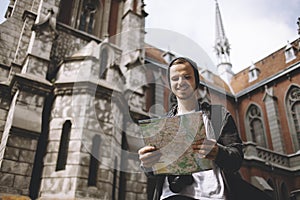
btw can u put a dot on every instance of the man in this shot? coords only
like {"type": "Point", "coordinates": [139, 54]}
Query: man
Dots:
{"type": "Point", "coordinates": [223, 145]}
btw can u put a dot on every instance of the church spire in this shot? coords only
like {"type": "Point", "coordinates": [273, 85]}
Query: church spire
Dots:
{"type": "Point", "coordinates": [222, 49]}
{"type": "Point", "coordinates": [220, 32]}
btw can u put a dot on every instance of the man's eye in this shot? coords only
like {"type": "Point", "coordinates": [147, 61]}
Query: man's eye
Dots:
{"type": "Point", "coordinates": [175, 79]}
{"type": "Point", "coordinates": [187, 77]}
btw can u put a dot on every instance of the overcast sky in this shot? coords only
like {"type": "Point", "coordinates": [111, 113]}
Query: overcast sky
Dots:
{"type": "Point", "coordinates": [254, 28]}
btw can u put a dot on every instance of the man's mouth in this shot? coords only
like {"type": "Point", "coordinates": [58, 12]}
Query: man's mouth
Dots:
{"type": "Point", "coordinates": [183, 89]}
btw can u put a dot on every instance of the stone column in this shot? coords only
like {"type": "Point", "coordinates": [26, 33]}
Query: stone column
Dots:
{"type": "Point", "coordinates": [274, 124]}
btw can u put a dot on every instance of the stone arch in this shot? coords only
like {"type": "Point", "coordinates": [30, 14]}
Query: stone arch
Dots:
{"type": "Point", "coordinates": [292, 106]}
{"type": "Point", "coordinates": [254, 125]}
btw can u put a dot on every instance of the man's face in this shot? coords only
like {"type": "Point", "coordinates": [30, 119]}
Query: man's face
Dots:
{"type": "Point", "coordinates": [182, 80]}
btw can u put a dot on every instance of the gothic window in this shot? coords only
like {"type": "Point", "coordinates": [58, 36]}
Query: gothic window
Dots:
{"type": "Point", "coordinates": [103, 62]}
{"type": "Point", "coordinates": [94, 161]}
{"type": "Point", "coordinates": [293, 106]}
{"type": "Point", "coordinates": [150, 90]}
{"type": "Point", "coordinates": [255, 126]}
{"type": "Point", "coordinates": [87, 16]}
{"type": "Point", "coordinates": [84, 15]}
{"type": "Point", "coordinates": [63, 146]}
{"type": "Point", "coordinates": [159, 97]}
{"type": "Point", "coordinates": [9, 10]}
{"type": "Point", "coordinates": [65, 12]}
{"type": "Point", "coordinates": [113, 18]}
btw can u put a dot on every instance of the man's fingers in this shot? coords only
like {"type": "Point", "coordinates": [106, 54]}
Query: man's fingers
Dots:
{"type": "Point", "coordinates": [203, 144]}
{"type": "Point", "coordinates": [206, 148]}
{"type": "Point", "coordinates": [149, 159]}
{"type": "Point", "coordinates": [146, 149]}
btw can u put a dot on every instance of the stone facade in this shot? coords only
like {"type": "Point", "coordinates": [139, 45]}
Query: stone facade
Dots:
{"type": "Point", "coordinates": [74, 80]}
{"type": "Point", "coordinates": [62, 104]}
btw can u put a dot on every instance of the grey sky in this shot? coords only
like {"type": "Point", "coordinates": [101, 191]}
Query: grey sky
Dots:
{"type": "Point", "coordinates": [255, 28]}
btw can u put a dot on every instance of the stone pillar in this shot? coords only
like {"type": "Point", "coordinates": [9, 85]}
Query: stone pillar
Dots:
{"type": "Point", "coordinates": [133, 33]}
{"type": "Point", "coordinates": [23, 43]}
{"type": "Point", "coordinates": [37, 60]}
{"type": "Point", "coordinates": [86, 101]}
{"type": "Point", "coordinates": [21, 134]}
{"type": "Point", "coordinates": [273, 119]}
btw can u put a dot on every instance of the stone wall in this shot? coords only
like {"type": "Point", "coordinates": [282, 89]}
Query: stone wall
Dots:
{"type": "Point", "coordinates": [5, 99]}
{"type": "Point", "coordinates": [68, 41]}
{"type": "Point", "coordinates": [16, 170]}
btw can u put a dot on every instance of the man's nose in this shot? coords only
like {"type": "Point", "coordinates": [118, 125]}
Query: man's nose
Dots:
{"type": "Point", "coordinates": [181, 80]}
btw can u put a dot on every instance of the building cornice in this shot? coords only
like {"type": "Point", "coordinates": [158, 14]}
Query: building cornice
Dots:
{"type": "Point", "coordinates": [97, 88]}
{"type": "Point", "coordinates": [31, 83]}
{"type": "Point", "coordinates": [286, 73]}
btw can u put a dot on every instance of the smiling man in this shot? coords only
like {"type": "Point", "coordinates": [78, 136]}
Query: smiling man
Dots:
{"type": "Point", "coordinates": [183, 82]}
{"type": "Point", "coordinates": [224, 148]}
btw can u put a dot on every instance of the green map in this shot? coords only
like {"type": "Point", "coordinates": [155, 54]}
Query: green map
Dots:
{"type": "Point", "coordinates": [173, 137]}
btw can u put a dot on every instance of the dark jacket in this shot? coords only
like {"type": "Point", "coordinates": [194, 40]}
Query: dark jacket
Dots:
{"type": "Point", "coordinates": [230, 155]}
{"type": "Point", "coordinates": [229, 158]}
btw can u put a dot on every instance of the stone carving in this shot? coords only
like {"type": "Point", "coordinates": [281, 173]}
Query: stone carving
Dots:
{"type": "Point", "coordinates": [222, 47]}
{"type": "Point", "coordinates": [269, 92]}
{"type": "Point", "coordinates": [46, 28]}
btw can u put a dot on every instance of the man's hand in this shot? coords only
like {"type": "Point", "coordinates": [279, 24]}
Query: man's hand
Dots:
{"type": "Point", "coordinates": [207, 148]}
{"type": "Point", "coordinates": [149, 155]}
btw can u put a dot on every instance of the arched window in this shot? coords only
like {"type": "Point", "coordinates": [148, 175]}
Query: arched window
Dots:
{"type": "Point", "coordinates": [255, 127]}
{"type": "Point", "coordinates": [94, 161]}
{"type": "Point", "coordinates": [63, 146]}
{"type": "Point", "coordinates": [113, 18]}
{"type": "Point", "coordinates": [150, 90]}
{"type": "Point", "coordinates": [103, 62]}
{"type": "Point", "coordinates": [65, 11]}
{"type": "Point", "coordinates": [85, 15]}
{"type": "Point", "coordinates": [293, 112]}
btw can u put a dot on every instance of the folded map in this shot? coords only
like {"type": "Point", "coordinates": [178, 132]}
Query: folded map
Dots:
{"type": "Point", "coordinates": [173, 136]}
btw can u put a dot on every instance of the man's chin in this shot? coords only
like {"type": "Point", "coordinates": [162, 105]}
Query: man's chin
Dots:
{"type": "Point", "coordinates": [184, 97]}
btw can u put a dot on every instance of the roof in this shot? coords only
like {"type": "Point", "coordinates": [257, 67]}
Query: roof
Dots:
{"type": "Point", "coordinates": [268, 66]}
{"type": "Point", "coordinates": [155, 54]}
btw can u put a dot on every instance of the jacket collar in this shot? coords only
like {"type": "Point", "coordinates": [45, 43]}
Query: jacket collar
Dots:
{"type": "Point", "coordinates": [204, 106]}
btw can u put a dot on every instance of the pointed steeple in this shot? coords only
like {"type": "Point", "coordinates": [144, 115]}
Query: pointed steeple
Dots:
{"type": "Point", "coordinates": [220, 32]}
{"type": "Point", "coordinates": [222, 49]}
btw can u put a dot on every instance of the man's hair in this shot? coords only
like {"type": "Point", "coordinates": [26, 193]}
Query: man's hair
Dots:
{"type": "Point", "coordinates": [184, 60]}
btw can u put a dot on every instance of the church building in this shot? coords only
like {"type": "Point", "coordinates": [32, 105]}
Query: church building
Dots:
{"type": "Point", "coordinates": [77, 75]}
